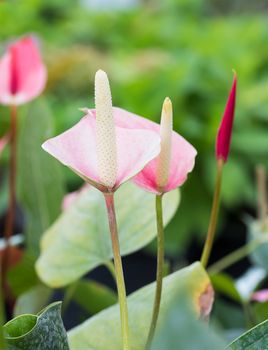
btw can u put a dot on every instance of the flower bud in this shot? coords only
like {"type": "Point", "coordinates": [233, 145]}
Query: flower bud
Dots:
{"type": "Point", "coordinates": [225, 130]}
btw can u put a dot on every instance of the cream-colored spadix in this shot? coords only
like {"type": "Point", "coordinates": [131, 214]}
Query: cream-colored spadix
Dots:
{"type": "Point", "coordinates": [164, 158]}
{"type": "Point", "coordinates": [105, 131]}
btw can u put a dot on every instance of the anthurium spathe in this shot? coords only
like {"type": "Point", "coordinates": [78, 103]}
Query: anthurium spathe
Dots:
{"type": "Point", "coordinates": [99, 150]}
{"type": "Point", "coordinates": [22, 73]}
{"type": "Point", "coordinates": [177, 155]}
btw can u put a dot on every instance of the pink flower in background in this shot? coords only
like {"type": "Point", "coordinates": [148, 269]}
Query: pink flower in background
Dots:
{"type": "Point", "coordinates": [22, 73]}
{"type": "Point", "coordinates": [99, 150]}
{"type": "Point", "coordinates": [260, 296]}
{"type": "Point", "coordinates": [182, 155]}
{"type": "Point", "coordinates": [226, 126]}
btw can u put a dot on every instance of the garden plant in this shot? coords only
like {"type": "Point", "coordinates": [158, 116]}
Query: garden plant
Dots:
{"type": "Point", "coordinates": [107, 185]}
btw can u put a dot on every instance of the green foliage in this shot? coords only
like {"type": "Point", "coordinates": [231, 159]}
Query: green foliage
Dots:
{"type": "Point", "coordinates": [254, 339]}
{"type": "Point", "coordinates": [181, 330]}
{"type": "Point", "coordinates": [92, 296]}
{"type": "Point", "coordinates": [40, 184]}
{"type": "Point", "coordinates": [22, 276]}
{"type": "Point", "coordinates": [79, 240]}
{"type": "Point", "coordinates": [44, 331]}
{"type": "Point", "coordinates": [33, 300]}
{"type": "Point", "coordinates": [257, 231]}
{"type": "Point", "coordinates": [102, 331]}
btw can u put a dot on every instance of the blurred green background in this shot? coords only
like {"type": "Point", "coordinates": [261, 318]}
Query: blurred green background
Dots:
{"type": "Point", "coordinates": [184, 49]}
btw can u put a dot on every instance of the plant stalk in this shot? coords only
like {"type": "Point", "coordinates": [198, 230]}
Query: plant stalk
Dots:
{"type": "Point", "coordinates": [160, 267]}
{"type": "Point", "coordinates": [235, 256]}
{"type": "Point", "coordinates": [213, 216]}
{"type": "Point", "coordinates": [121, 289]}
{"type": "Point", "coordinates": [9, 224]}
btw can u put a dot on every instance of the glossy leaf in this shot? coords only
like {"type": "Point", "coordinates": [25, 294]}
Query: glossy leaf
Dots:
{"type": "Point", "coordinates": [44, 331]}
{"type": "Point", "coordinates": [40, 186]}
{"type": "Point", "coordinates": [80, 241]}
{"type": "Point", "coordinates": [255, 339]}
{"type": "Point", "coordinates": [102, 331]}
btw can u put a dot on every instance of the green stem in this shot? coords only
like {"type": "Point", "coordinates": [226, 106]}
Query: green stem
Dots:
{"type": "Point", "coordinates": [68, 295]}
{"type": "Point", "coordinates": [160, 265]}
{"type": "Point", "coordinates": [110, 267]}
{"type": "Point", "coordinates": [213, 216]}
{"type": "Point", "coordinates": [9, 224]}
{"type": "Point", "coordinates": [235, 256]}
{"type": "Point", "coordinates": [121, 289]}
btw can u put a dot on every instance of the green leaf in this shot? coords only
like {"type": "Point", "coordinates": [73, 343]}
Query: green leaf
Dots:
{"type": "Point", "coordinates": [44, 331]}
{"type": "Point", "coordinates": [261, 311]}
{"type": "Point", "coordinates": [102, 331]}
{"type": "Point", "coordinates": [258, 232]}
{"type": "Point", "coordinates": [40, 185]}
{"type": "Point", "coordinates": [33, 300]}
{"type": "Point", "coordinates": [255, 339]}
{"type": "Point", "coordinates": [181, 330]}
{"type": "Point", "coordinates": [23, 276]}
{"type": "Point", "coordinates": [80, 241]}
{"type": "Point", "coordinates": [225, 285]}
{"type": "Point", "coordinates": [93, 296]}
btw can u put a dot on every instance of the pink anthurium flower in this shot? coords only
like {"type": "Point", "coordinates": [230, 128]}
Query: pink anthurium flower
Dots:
{"type": "Point", "coordinates": [22, 73]}
{"type": "Point", "coordinates": [99, 150]}
{"type": "Point", "coordinates": [225, 130]}
{"type": "Point", "coordinates": [177, 155]}
{"type": "Point", "coordinates": [177, 160]}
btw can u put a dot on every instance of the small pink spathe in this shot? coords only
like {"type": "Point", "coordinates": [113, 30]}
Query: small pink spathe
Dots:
{"type": "Point", "coordinates": [76, 148]}
{"type": "Point", "coordinates": [22, 73]}
{"type": "Point", "coordinates": [182, 153]}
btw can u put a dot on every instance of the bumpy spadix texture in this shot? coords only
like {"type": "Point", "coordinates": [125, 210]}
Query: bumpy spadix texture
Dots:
{"type": "Point", "coordinates": [164, 158]}
{"type": "Point", "coordinates": [22, 74]}
{"type": "Point", "coordinates": [182, 156]}
{"type": "Point", "coordinates": [79, 147]}
{"type": "Point", "coordinates": [225, 130]}
{"type": "Point", "coordinates": [105, 131]}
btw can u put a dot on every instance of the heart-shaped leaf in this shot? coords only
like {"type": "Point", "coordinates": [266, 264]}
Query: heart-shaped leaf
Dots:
{"type": "Point", "coordinates": [80, 241]}
{"type": "Point", "coordinates": [256, 338]}
{"type": "Point", "coordinates": [182, 330]}
{"type": "Point", "coordinates": [44, 331]}
{"type": "Point", "coordinates": [103, 331]}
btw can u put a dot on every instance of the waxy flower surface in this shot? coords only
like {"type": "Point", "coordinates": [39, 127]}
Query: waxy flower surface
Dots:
{"type": "Point", "coordinates": [101, 151]}
{"type": "Point", "coordinates": [179, 161]}
{"type": "Point", "coordinates": [23, 74]}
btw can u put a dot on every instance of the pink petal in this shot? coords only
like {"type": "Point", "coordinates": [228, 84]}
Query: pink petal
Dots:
{"type": "Point", "coordinates": [23, 75]}
{"type": "Point", "coordinates": [225, 130]}
{"type": "Point", "coordinates": [261, 296]}
{"type": "Point", "coordinates": [76, 148]}
{"type": "Point", "coordinates": [182, 154]}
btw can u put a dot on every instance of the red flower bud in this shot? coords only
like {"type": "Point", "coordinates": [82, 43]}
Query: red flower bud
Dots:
{"type": "Point", "coordinates": [225, 130]}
